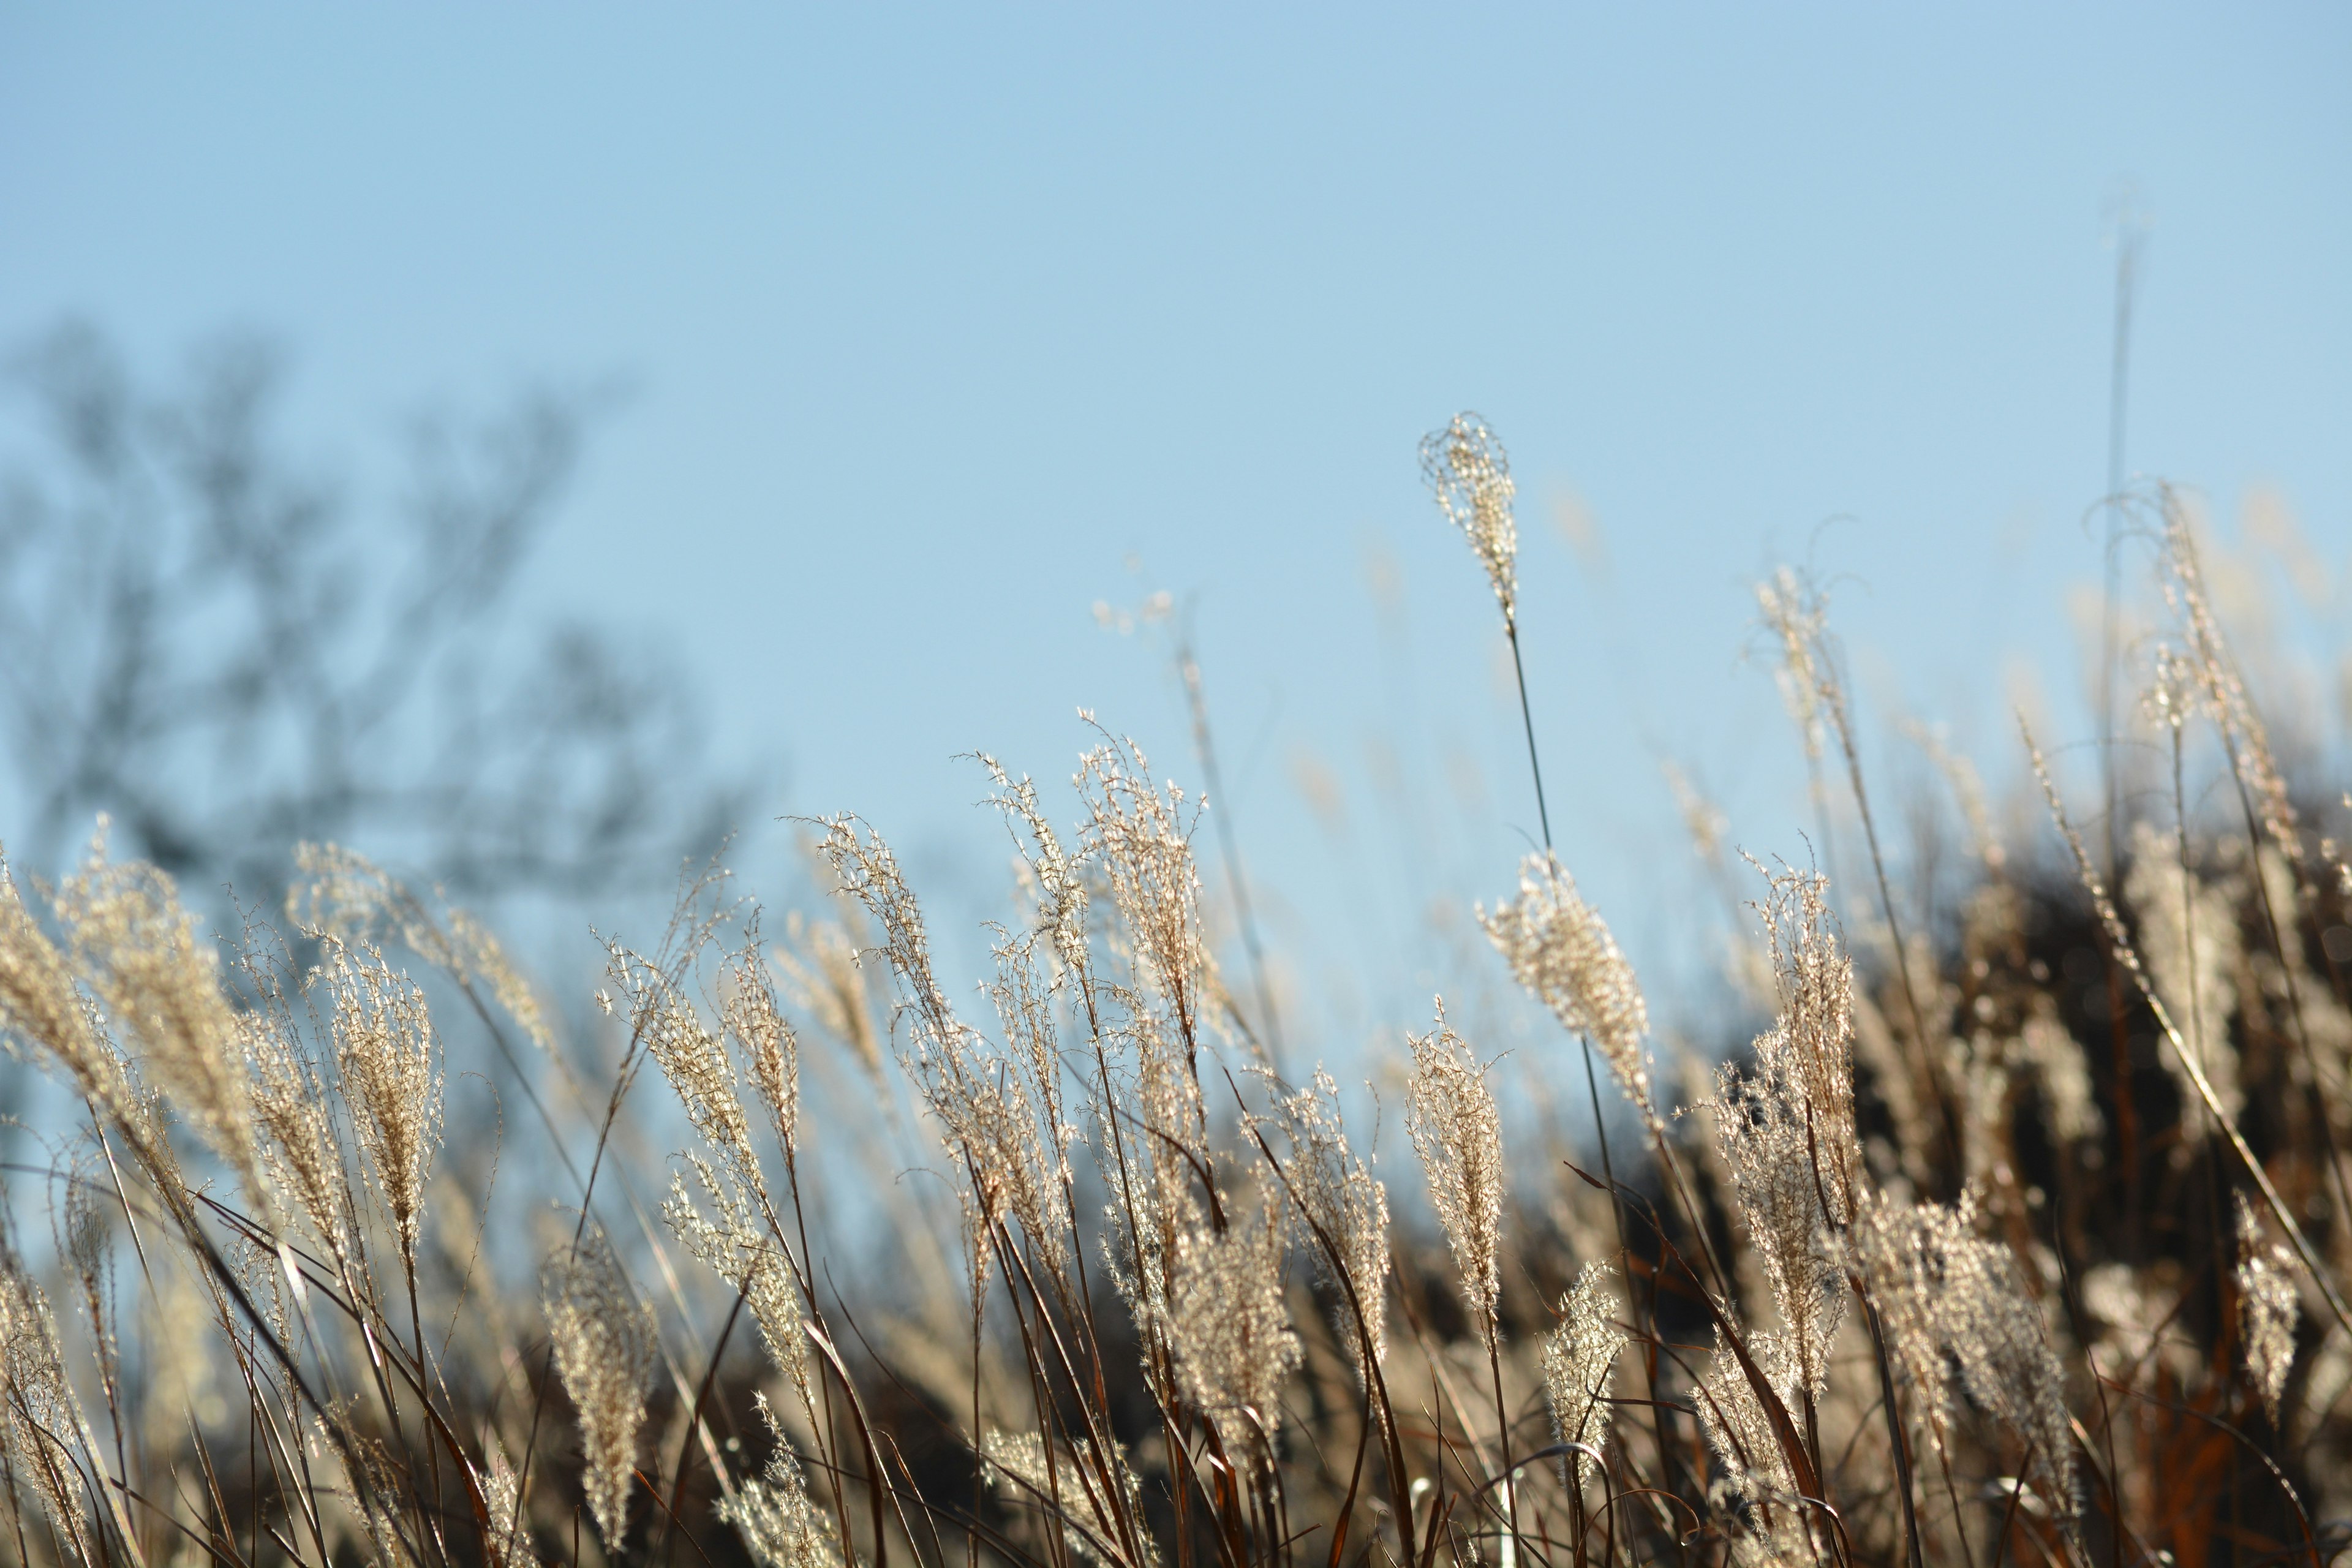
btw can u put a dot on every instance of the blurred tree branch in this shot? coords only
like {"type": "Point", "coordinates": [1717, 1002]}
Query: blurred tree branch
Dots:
{"type": "Point", "coordinates": [228, 656]}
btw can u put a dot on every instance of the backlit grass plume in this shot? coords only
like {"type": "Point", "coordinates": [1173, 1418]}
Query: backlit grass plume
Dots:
{"type": "Point", "coordinates": [2003, 1218]}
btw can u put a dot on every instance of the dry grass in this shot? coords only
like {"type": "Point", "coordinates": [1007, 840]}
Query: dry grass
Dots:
{"type": "Point", "coordinates": [2019, 1237]}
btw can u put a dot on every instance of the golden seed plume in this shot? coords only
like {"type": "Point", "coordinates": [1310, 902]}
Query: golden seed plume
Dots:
{"type": "Point", "coordinates": [384, 1050]}
{"type": "Point", "coordinates": [1560, 948]}
{"type": "Point", "coordinates": [1338, 1197]}
{"type": "Point", "coordinates": [1458, 1134]}
{"type": "Point", "coordinates": [1580, 1360]}
{"type": "Point", "coordinates": [1230, 1327]}
{"type": "Point", "coordinates": [1470, 474]}
{"type": "Point", "coordinates": [2267, 1307]}
{"type": "Point", "coordinates": [605, 1352]}
{"type": "Point", "coordinates": [139, 952]}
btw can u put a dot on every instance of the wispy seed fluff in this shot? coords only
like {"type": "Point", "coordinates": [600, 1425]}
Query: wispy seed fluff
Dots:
{"type": "Point", "coordinates": [2188, 935]}
{"type": "Point", "coordinates": [1459, 1137]}
{"type": "Point", "coordinates": [1952, 1299]}
{"type": "Point", "coordinates": [1341, 1199]}
{"type": "Point", "coordinates": [1229, 1329]}
{"type": "Point", "coordinates": [1580, 1358]}
{"type": "Point", "coordinates": [1030, 1477]}
{"type": "Point", "coordinates": [39, 1007]}
{"type": "Point", "coordinates": [2267, 1307]}
{"type": "Point", "coordinates": [383, 1048]}
{"type": "Point", "coordinates": [1470, 474]}
{"type": "Point", "coordinates": [605, 1349]}
{"type": "Point", "coordinates": [139, 950]}
{"type": "Point", "coordinates": [1559, 949]}
{"type": "Point", "coordinates": [41, 1420]}
{"type": "Point", "coordinates": [779, 1527]}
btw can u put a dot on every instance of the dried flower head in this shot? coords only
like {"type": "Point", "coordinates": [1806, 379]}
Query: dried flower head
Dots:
{"type": "Point", "coordinates": [383, 1053]}
{"type": "Point", "coordinates": [2188, 936]}
{"type": "Point", "coordinates": [764, 1039]}
{"type": "Point", "coordinates": [300, 1149]}
{"type": "Point", "coordinates": [604, 1350]}
{"type": "Point", "coordinates": [1098, 1525]}
{"type": "Point", "coordinates": [1348, 1209]}
{"type": "Point", "coordinates": [735, 1241]}
{"type": "Point", "coordinates": [1139, 836]}
{"type": "Point", "coordinates": [1470, 474]}
{"type": "Point", "coordinates": [343, 895]}
{"type": "Point", "coordinates": [1737, 1427]}
{"type": "Point", "coordinates": [41, 1422]}
{"type": "Point", "coordinates": [779, 1526]}
{"type": "Point", "coordinates": [138, 950]}
{"type": "Point", "coordinates": [1782, 1176]}
{"type": "Point", "coordinates": [1230, 1327]}
{"type": "Point", "coordinates": [818, 961]}
{"type": "Point", "coordinates": [506, 1544]}
{"type": "Point", "coordinates": [1558, 948]}
{"type": "Point", "coordinates": [41, 1008]}
{"type": "Point", "coordinates": [2267, 1307]}
{"type": "Point", "coordinates": [1951, 1301]}
{"type": "Point", "coordinates": [1459, 1137]}
{"type": "Point", "coordinates": [2221, 688]}
{"type": "Point", "coordinates": [1580, 1359]}
{"type": "Point", "coordinates": [2057, 1060]}
{"type": "Point", "coordinates": [1796, 616]}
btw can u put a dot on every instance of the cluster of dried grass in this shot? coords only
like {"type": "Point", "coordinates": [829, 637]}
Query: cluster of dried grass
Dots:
{"type": "Point", "coordinates": [2021, 1240]}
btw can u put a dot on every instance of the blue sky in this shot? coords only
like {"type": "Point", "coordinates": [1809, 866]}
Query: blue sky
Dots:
{"type": "Point", "coordinates": [945, 325]}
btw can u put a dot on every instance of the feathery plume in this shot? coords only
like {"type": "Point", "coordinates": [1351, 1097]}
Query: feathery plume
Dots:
{"type": "Point", "coordinates": [1026, 1474]}
{"type": "Point", "coordinates": [40, 1007]}
{"type": "Point", "coordinates": [2190, 939]}
{"type": "Point", "coordinates": [1797, 616]}
{"type": "Point", "coordinates": [2267, 1307]}
{"type": "Point", "coordinates": [383, 1055]}
{"type": "Point", "coordinates": [138, 950]}
{"type": "Point", "coordinates": [1230, 1327]}
{"type": "Point", "coordinates": [821, 973]}
{"type": "Point", "coordinates": [764, 1039]}
{"type": "Point", "coordinates": [740, 1249]}
{"type": "Point", "coordinates": [343, 895]}
{"type": "Point", "coordinates": [299, 1151]}
{"type": "Point", "coordinates": [1561, 949]}
{"type": "Point", "coordinates": [1341, 1199]}
{"type": "Point", "coordinates": [2056, 1057]}
{"type": "Point", "coordinates": [2243, 734]}
{"type": "Point", "coordinates": [41, 1418]}
{"type": "Point", "coordinates": [1769, 1146]}
{"type": "Point", "coordinates": [1470, 474]}
{"type": "Point", "coordinates": [604, 1350]}
{"type": "Point", "coordinates": [779, 1527]}
{"type": "Point", "coordinates": [694, 1059]}
{"type": "Point", "coordinates": [507, 1543]}
{"type": "Point", "coordinates": [1139, 834]}
{"type": "Point", "coordinates": [1459, 1137]}
{"type": "Point", "coordinates": [818, 959]}
{"type": "Point", "coordinates": [1580, 1358]}
{"type": "Point", "coordinates": [1951, 1300]}
{"type": "Point", "coordinates": [1737, 1427]}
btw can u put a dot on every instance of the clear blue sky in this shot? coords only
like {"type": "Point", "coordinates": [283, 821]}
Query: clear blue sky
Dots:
{"type": "Point", "coordinates": [939, 320]}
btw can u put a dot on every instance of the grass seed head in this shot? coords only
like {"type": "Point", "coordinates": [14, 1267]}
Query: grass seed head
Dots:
{"type": "Point", "coordinates": [2267, 1307]}
{"type": "Point", "coordinates": [1560, 948]}
{"type": "Point", "coordinates": [1458, 1134]}
{"type": "Point", "coordinates": [1580, 1360]}
{"type": "Point", "coordinates": [385, 1052]}
{"type": "Point", "coordinates": [605, 1352]}
{"type": "Point", "coordinates": [1470, 474]}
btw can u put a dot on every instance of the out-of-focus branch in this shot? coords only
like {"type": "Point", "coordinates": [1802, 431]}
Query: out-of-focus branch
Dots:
{"type": "Point", "coordinates": [227, 653]}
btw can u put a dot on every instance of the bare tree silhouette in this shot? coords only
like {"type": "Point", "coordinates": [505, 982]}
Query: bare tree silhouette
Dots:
{"type": "Point", "coordinates": [226, 654]}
